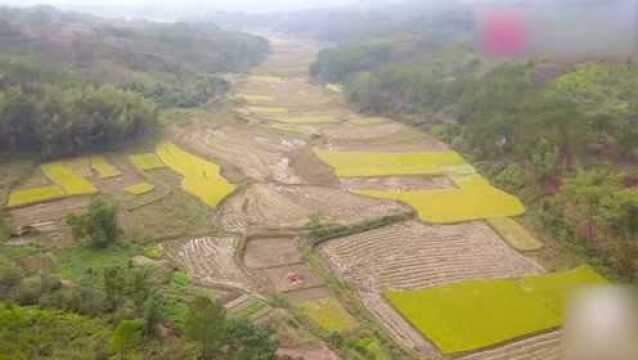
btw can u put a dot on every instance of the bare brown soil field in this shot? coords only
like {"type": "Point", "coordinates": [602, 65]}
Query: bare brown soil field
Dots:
{"type": "Point", "coordinates": [321, 354]}
{"type": "Point", "coordinates": [391, 137]}
{"type": "Point", "coordinates": [540, 347]}
{"type": "Point", "coordinates": [402, 183]}
{"type": "Point", "coordinates": [268, 206]}
{"type": "Point", "coordinates": [402, 332]}
{"type": "Point", "coordinates": [258, 156]}
{"type": "Point", "coordinates": [209, 261]}
{"type": "Point", "coordinates": [130, 176]}
{"type": "Point", "coordinates": [414, 255]}
{"type": "Point", "coordinates": [309, 294]}
{"type": "Point", "coordinates": [269, 252]}
{"type": "Point", "coordinates": [278, 278]}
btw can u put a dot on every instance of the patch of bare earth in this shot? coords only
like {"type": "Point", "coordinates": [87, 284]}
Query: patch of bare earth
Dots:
{"type": "Point", "coordinates": [382, 137]}
{"type": "Point", "coordinates": [399, 183]}
{"type": "Point", "coordinates": [259, 156]}
{"type": "Point", "coordinates": [269, 252]}
{"type": "Point", "coordinates": [47, 219]}
{"type": "Point", "coordinates": [269, 206]}
{"type": "Point", "coordinates": [300, 354]}
{"type": "Point", "coordinates": [413, 255]}
{"type": "Point", "coordinates": [209, 261]}
{"type": "Point", "coordinates": [399, 329]}
{"type": "Point", "coordinates": [280, 267]}
{"type": "Point", "coordinates": [540, 347]}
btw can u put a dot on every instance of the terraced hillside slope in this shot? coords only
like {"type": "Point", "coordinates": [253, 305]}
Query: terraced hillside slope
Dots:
{"type": "Point", "coordinates": [276, 203]}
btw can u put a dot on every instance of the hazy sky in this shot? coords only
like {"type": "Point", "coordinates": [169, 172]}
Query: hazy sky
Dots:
{"type": "Point", "coordinates": [229, 5]}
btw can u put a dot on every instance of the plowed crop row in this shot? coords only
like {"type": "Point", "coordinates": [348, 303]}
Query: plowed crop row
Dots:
{"type": "Point", "coordinates": [413, 255]}
{"type": "Point", "coordinates": [209, 261]}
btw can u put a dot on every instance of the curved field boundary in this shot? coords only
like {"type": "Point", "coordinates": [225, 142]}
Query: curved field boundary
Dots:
{"type": "Point", "coordinates": [67, 183]}
{"type": "Point", "coordinates": [451, 206]}
{"type": "Point", "coordinates": [515, 234]}
{"type": "Point", "coordinates": [103, 168]}
{"type": "Point", "coordinates": [472, 315]}
{"type": "Point", "coordinates": [539, 347]}
{"type": "Point", "coordinates": [328, 314]}
{"type": "Point", "coordinates": [200, 177]}
{"type": "Point", "coordinates": [363, 164]}
{"type": "Point", "coordinates": [412, 255]}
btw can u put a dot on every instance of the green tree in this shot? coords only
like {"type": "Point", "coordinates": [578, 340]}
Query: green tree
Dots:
{"type": "Point", "coordinates": [588, 191]}
{"type": "Point", "coordinates": [98, 226]}
{"type": "Point", "coordinates": [4, 229]}
{"type": "Point", "coordinates": [205, 324]}
{"type": "Point", "coordinates": [247, 341]}
{"type": "Point", "coordinates": [127, 334]}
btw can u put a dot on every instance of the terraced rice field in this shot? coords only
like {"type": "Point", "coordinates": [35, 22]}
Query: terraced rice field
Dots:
{"type": "Point", "coordinates": [476, 314]}
{"type": "Point", "coordinates": [267, 110]}
{"type": "Point", "coordinates": [145, 162]}
{"type": "Point", "coordinates": [209, 261]}
{"type": "Point", "coordinates": [449, 206]}
{"type": "Point", "coordinates": [255, 98]}
{"type": "Point", "coordinates": [67, 180]}
{"type": "Point", "coordinates": [267, 159]}
{"type": "Point", "coordinates": [514, 234]}
{"type": "Point", "coordinates": [140, 189]}
{"type": "Point", "coordinates": [277, 278]}
{"type": "Point", "coordinates": [200, 177]}
{"type": "Point", "coordinates": [269, 206]}
{"type": "Point", "coordinates": [66, 183]}
{"type": "Point", "coordinates": [308, 119]}
{"type": "Point", "coordinates": [362, 164]}
{"type": "Point", "coordinates": [540, 347]}
{"type": "Point", "coordinates": [270, 252]}
{"type": "Point", "coordinates": [267, 79]}
{"type": "Point", "coordinates": [328, 314]}
{"type": "Point", "coordinates": [413, 255]}
{"type": "Point", "coordinates": [248, 307]}
{"type": "Point", "coordinates": [103, 168]}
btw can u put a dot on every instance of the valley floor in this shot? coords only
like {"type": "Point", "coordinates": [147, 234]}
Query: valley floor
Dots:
{"type": "Point", "coordinates": [254, 245]}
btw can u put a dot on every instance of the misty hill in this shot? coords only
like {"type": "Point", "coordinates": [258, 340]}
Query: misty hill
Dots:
{"type": "Point", "coordinates": [173, 63]}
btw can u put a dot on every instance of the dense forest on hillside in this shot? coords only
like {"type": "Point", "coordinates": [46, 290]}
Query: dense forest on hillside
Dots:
{"type": "Point", "coordinates": [73, 86]}
{"type": "Point", "coordinates": [71, 82]}
{"type": "Point", "coordinates": [563, 135]}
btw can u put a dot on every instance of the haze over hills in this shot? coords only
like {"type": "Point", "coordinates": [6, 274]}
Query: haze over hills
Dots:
{"type": "Point", "coordinates": [295, 180]}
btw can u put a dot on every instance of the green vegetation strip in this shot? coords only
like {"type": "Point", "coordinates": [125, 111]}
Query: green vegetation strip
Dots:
{"type": "Point", "coordinates": [140, 189]}
{"type": "Point", "coordinates": [65, 178]}
{"type": "Point", "coordinates": [476, 314]}
{"type": "Point", "coordinates": [27, 331]}
{"type": "Point", "coordinates": [35, 195]}
{"type": "Point", "coordinates": [148, 161]}
{"type": "Point", "coordinates": [329, 315]}
{"type": "Point", "coordinates": [67, 183]}
{"type": "Point", "coordinates": [514, 234]}
{"type": "Point", "coordinates": [449, 206]}
{"type": "Point", "coordinates": [104, 169]}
